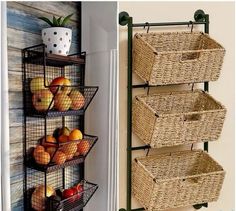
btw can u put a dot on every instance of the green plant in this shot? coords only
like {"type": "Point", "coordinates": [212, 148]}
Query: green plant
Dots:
{"type": "Point", "coordinates": [57, 22]}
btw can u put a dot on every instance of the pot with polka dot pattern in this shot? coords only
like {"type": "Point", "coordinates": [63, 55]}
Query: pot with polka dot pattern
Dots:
{"type": "Point", "coordinates": [57, 38]}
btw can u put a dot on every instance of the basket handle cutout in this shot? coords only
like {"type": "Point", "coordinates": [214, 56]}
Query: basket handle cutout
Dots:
{"type": "Point", "coordinates": [193, 180]}
{"type": "Point", "coordinates": [192, 117]}
{"type": "Point", "coordinates": [190, 57]}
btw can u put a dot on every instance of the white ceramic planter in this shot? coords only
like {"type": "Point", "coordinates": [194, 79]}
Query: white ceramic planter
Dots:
{"type": "Point", "coordinates": [57, 40]}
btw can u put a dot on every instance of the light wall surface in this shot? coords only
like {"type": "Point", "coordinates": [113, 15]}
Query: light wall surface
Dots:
{"type": "Point", "coordinates": [222, 29]}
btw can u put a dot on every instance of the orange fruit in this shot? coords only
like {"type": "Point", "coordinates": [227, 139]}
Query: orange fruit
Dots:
{"type": "Point", "coordinates": [42, 158]}
{"type": "Point", "coordinates": [49, 142]}
{"type": "Point", "coordinates": [69, 156]}
{"type": "Point", "coordinates": [63, 138]}
{"type": "Point", "coordinates": [59, 158]}
{"type": "Point", "coordinates": [51, 151]}
{"type": "Point", "coordinates": [37, 149]}
{"type": "Point", "coordinates": [83, 147]}
{"type": "Point", "coordinates": [70, 148]}
{"type": "Point", "coordinates": [75, 134]}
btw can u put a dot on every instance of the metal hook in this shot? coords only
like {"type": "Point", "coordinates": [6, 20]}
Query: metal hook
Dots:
{"type": "Point", "coordinates": [148, 90]}
{"type": "Point", "coordinates": [192, 147]}
{"type": "Point", "coordinates": [148, 151]}
{"type": "Point", "coordinates": [192, 86]}
{"type": "Point", "coordinates": [147, 24]}
{"type": "Point", "coordinates": [191, 22]}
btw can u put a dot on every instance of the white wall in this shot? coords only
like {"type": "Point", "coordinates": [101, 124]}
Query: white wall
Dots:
{"type": "Point", "coordinates": [223, 89]}
{"type": "Point", "coordinates": [98, 38]}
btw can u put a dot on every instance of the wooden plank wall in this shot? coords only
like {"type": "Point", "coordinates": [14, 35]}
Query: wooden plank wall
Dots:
{"type": "Point", "coordinates": [24, 30]}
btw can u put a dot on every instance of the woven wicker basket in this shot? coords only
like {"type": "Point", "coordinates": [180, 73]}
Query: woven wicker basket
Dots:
{"type": "Point", "coordinates": [161, 182]}
{"type": "Point", "coordinates": [176, 118]}
{"type": "Point", "coordinates": [176, 57]}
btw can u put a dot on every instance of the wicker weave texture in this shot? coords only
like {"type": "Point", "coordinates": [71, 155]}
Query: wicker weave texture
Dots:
{"type": "Point", "coordinates": [176, 57]}
{"type": "Point", "coordinates": [176, 118]}
{"type": "Point", "coordinates": [161, 182]}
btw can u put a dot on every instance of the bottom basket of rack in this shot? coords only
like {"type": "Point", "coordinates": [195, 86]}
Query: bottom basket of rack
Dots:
{"type": "Point", "coordinates": [177, 179]}
{"type": "Point", "coordinates": [62, 200]}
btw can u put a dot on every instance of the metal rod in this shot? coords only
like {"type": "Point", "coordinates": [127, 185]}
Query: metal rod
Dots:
{"type": "Point", "coordinates": [186, 23]}
{"type": "Point", "coordinates": [129, 113]}
{"type": "Point", "coordinates": [206, 84]}
{"type": "Point", "coordinates": [140, 147]}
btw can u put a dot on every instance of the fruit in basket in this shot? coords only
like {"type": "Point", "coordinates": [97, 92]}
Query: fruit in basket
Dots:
{"type": "Point", "coordinates": [69, 156]}
{"type": "Point", "coordinates": [68, 193]}
{"type": "Point", "coordinates": [50, 141]}
{"type": "Point", "coordinates": [62, 102]}
{"type": "Point", "coordinates": [37, 149]}
{"type": "Point", "coordinates": [59, 158]}
{"type": "Point", "coordinates": [38, 197]}
{"type": "Point", "coordinates": [42, 157]}
{"type": "Point", "coordinates": [37, 84]}
{"type": "Point", "coordinates": [60, 85]}
{"type": "Point", "coordinates": [63, 138]}
{"type": "Point", "coordinates": [61, 131]}
{"type": "Point", "coordinates": [42, 99]}
{"type": "Point", "coordinates": [75, 134]}
{"type": "Point", "coordinates": [78, 100]}
{"type": "Point", "coordinates": [69, 148]}
{"type": "Point", "coordinates": [64, 131]}
{"type": "Point", "coordinates": [51, 150]}
{"type": "Point", "coordinates": [80, 190]}
{"type": "Point", "coordinates": [83, 147]}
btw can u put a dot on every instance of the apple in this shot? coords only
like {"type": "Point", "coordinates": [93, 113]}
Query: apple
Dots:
{"type": "Point", "coordinates": [42, 99]}
{"type": "Point", "coordinates": [37, 84]}
{"type": "Point", "coordinates": [68, 193]}
{"type": "Point", "coordinates": [62, 102]}
{"type": "Point", "coordinates": [61, 84]}
{"type": "Point", "coordinates": [80, 190]}
{"type": "Point", "coordinates": [77, 99]}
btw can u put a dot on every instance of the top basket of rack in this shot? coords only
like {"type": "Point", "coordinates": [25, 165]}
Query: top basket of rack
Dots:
{"type": "Point", "coordinates": [37, 55]}
{"type": "Point", "coordinates": [176, 57]}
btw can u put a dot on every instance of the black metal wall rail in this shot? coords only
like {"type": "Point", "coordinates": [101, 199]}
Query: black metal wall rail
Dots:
{"type": "Point", "coordinates": [200, 18]}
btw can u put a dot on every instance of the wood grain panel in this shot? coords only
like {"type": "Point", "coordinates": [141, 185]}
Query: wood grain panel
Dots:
{"type": "Point", "coordinates": [50, 7]}
{"type": "Point", "coordinates": [27, 20]}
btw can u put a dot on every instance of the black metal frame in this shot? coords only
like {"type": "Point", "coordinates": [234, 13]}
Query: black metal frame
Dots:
{"type": "Point", "coordinates": [124, 19]}
{"type": "Point", "coordinates": [41, 58]}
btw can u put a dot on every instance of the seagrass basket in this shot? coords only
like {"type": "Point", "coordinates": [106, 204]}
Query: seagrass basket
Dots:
{"type": "Point", "coordinates": [176, 118]}
{"type": "Point", "coordinates": [165, 181]}
{"type": "Point", "coordinates": [176, 57]}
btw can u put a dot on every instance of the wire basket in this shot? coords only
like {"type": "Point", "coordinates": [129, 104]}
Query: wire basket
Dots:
{"type": "Point", "coordinates": [176, 118]}
{"type": "Point", "coordinates": [45, 191]}
{"type": "Point", "coordinates": [75, 202]}
{"type": "Point", "coordinates": [171, 180]}
{"type": "Point", "coordinates": [55, 143]}
{"type": "Point", "coordinates": [51, 83]}
{"type": "Point", "coordinates": [176, 57]}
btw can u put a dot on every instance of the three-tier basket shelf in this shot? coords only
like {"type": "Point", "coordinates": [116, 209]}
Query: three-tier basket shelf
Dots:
{"type": "Point", "coordinates": [53, 162]}
{"type": "Point", "coordinates": [163, 181]}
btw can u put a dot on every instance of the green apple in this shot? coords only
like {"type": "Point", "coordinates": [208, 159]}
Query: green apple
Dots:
{"type": "Point", "coordinates": [42, 100]}
{"type": "Point", "coordinates": [37, 84]}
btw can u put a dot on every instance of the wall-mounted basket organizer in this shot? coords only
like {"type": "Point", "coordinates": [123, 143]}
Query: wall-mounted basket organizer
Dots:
{"type": "Point", "coordinates": [55, 145]}
{"type": "Point", "coordinates": [177, 179]}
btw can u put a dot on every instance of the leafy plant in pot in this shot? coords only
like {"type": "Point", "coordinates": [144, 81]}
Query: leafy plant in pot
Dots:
{"type": "Point", "coordinates": [57, 38]}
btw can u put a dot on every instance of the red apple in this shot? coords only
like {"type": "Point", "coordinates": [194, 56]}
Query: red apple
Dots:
{"type": "Point", "coordinates": [80, 190]}
{"type": "Point", "coordinates": [64, 85]}
{"type": "Point", "coordinates": [62, 102]}
{"type": "Point", "coordinates": [68, 193]}
{"type": "Point", "coordinates": [37, 84]}
{"type": "Point", "coordinates": [78, 100]}
{"type": "Point", "coordinates": [42, 99]}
